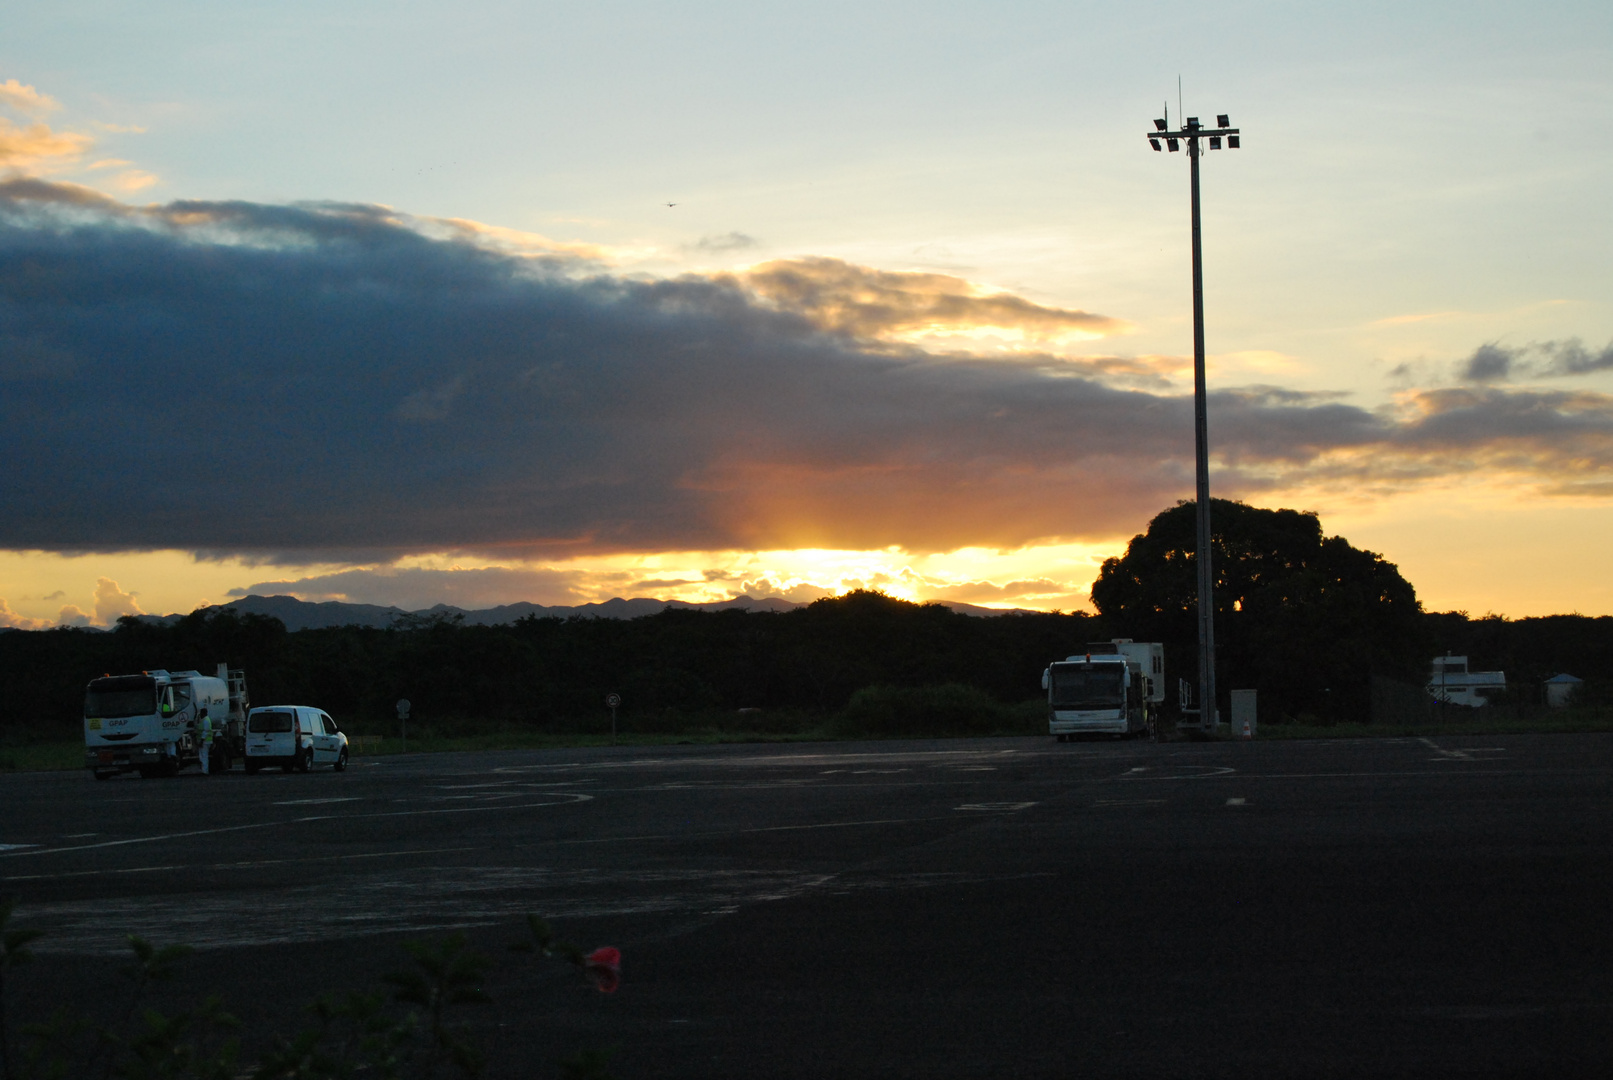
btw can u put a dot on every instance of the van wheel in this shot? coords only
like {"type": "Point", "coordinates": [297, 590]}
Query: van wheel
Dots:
{"type": "Point", "coordinates": [305, 760]}
{"type": "Point", "coordinates": [341, 761]}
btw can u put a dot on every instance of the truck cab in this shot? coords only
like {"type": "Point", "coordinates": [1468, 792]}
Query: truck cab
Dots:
{"type": "Point", "coordinates": [150, 723]}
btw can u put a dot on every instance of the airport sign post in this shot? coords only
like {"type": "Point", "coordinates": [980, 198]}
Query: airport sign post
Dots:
{"type": "Point", "coordinates": [613, 701]}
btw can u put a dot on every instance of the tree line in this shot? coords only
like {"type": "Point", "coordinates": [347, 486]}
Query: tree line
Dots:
{"type": "Point", "coordinates": [1305, 619]}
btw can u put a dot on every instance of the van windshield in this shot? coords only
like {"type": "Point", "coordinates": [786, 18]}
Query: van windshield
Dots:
{"type": "Point", "coordinates": [269, 723]}
{"type": "Point", "coordinates": [121, 695]}
{"type": "Point", "coordinates": [1087, 688]}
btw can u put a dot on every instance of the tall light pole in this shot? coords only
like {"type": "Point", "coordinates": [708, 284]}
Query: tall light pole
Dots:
{"type": "Point", "coordinates": [1200, 139]}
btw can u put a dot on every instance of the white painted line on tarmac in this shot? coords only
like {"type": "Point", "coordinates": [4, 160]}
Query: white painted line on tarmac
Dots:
{"type": "Point", "coordinates": [1236, 802]}
{"type": "Point", "coordinates": [741, 832]}
{"type": "Point", "coordinates": [313, 802]}
{"type": "Point", "coordinates": [91, 873]}
{"type": "Point", "coordinates": [995, 807]}
{"type": "Point", "coordinates": [1444, 755]}
{"type": "Point", "coordinates": [1180, 772]}
{"type": "Point", "coordinates": [15, 847]}
{"type": "Point", "coordinates": [247, 865]}
{"type": "Point", "coordinates": [772, 759]}
{"type": "Point", "coordinates": [568, 796]}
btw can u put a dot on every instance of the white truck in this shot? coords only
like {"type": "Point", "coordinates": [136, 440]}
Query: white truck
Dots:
{"type": "Point", "coordinates": [150, 723]}
{"type": "Point", "coordinates": [1115, 688]}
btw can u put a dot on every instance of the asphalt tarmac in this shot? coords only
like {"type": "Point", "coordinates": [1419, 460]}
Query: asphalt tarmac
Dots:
{"type": "Point", "coordinates": [997, 907]}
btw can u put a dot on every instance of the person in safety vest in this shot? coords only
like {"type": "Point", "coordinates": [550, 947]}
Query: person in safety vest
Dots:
{"type": "Point", "coordinates": [206, 724]}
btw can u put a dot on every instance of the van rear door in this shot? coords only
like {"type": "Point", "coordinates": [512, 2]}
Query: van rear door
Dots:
{"type": "Point", "coordinates": [271, 733]}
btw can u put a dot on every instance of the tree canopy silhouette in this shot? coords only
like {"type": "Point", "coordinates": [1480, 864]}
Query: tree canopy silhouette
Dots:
{"type": "Point", "coordinates": [1304, 618]}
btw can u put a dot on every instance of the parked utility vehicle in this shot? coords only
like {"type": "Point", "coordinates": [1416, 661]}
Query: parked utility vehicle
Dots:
{"type": "Point", "coordinates": [151, 723]}
{"type": "Point", "coordinates": [293, 737]}
{"type": "Point", "coordinates": [1113, 689]}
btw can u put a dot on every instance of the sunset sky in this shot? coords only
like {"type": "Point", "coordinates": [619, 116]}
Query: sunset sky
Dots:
{"type": "Point", "coordinates": [408, 303]}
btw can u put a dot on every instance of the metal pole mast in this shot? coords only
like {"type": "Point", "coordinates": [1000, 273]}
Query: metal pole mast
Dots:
{"type": "Point", "coordinates": [1192, 133]}
{"type": "Point", "coordinates": [1201, 453]}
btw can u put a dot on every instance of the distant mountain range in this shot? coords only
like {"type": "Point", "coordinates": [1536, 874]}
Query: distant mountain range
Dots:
{"type": "Point", "coordinates": [303, 615]}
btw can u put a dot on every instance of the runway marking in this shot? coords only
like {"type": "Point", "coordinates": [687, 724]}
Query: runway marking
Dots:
{"type": "Point", "coordinates": [1235, 802]}
{"type": "Point", "coordinates": [741, 832]}
{"type": "Point", "coordinates": [999, 807]}
{"type": "Point", "coordinates": [1178, 772]}
{"type": "Point", "coordinates": [1444, 755]}
{"type": "Point", "coordinates": [15, 847]}
{"type": "Point", "coordinates": [91, 873]}
{"type": "Point", "coordinates": [570, 796]}
{"type": "Point", "coordinates": [246, 865]}
{"type": "Point", "coordinates": [774, 759]}
{"type": "Point", "coordinates": [311, 802]}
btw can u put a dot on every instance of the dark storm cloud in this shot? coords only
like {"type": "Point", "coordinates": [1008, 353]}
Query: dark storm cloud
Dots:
{"type": "Point", "coordinates": [292, 383]}
{"type": "Point", "coordinates": [1488, 363]}
{"type": "Point", "coordinates": [1548, 359]}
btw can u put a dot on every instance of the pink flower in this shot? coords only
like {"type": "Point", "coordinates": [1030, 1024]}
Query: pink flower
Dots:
{"type": "Point", "coordinates": [604, 967]}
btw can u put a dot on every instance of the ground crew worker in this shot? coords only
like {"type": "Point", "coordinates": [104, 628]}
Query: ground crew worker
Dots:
{"type": "Point", "coordinates": [207, 742]}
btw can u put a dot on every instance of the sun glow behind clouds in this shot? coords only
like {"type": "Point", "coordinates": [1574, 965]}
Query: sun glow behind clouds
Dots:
{"type": "Point", "coordinates": [1042, 577]}
{"type": "Point", "coordinates": [38, 587]}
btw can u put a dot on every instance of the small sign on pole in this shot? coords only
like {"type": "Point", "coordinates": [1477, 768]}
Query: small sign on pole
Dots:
{"type": "Point", "coordinates": [403, 722]}
{"type": "Point", "coordinates": [613, 701]}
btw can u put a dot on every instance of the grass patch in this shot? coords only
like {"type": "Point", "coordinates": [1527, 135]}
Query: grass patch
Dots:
{"type": "Point", "coordinates": [42, 756]}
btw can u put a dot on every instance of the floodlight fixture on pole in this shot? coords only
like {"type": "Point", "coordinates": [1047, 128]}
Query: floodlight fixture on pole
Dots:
{"type": "Point", "coordinates": [1200, 140]}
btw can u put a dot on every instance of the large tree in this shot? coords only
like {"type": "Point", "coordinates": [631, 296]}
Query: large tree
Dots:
{"type": "Point", "coordinates": [1304, 618]}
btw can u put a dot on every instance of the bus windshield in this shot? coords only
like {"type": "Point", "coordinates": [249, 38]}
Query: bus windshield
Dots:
{"type": "Point", "coordinates": [121, 695]}
{"type": "Point", "coordinates": [1087, 688]}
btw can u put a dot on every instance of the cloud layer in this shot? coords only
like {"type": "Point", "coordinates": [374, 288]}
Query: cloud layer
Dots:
{"type": "Point", "coordinates": [344, 383]}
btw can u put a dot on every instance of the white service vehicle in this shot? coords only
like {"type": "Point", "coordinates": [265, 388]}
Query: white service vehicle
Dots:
{"type": "Point", "coordinates": [1114, 689]}
{"type": "Point", "coordinates": [293, 737]}
{"type": "Point", "coordinates": [150, 723]}
{"type": "Point", "coordinates": [1450, 683]}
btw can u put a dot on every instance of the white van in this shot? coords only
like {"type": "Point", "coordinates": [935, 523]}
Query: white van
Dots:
{"type": "Point", "coordinates": [293, 737]}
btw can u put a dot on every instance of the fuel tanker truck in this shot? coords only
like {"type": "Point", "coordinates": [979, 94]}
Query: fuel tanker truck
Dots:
{"type": "Point", "coordinates": [1114, 688]}
{"type": "Point", "coordinates": [152, 723]}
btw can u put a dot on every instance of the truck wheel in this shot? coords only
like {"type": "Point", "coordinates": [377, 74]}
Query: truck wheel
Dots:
{"type": "Point", "coordinates": [149, 772]}
{"type": "Point", "coordinates": [341, 761]}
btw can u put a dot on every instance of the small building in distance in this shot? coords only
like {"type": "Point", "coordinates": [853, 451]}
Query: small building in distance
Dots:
{"type": "Point", "coordinates": [1450, 682]}
{"type": "Point", "coordinates": [1560, 690]}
